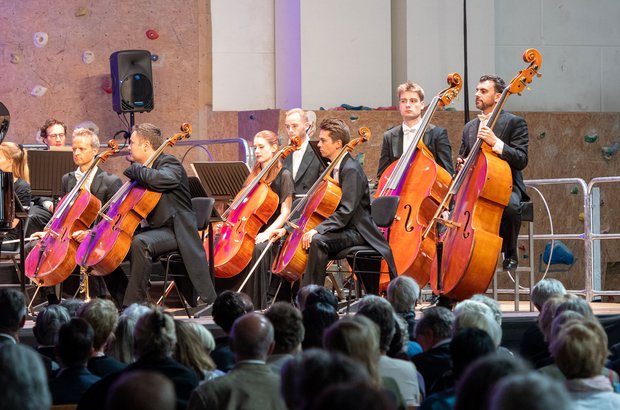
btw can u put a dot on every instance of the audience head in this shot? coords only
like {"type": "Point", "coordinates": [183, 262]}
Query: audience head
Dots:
{"type": "Point", "coordinates": [53, 133]}
{"type": "Point", "coordinates": [317, 317]}
{"type": "Point", "coordinates": [402, 293]}
{"type": "Point", "coordinates": [467, 346]}
{"type": "Point", "coordinates": [479, 316]}
{"type": "Point", "coordinates": [580, 349]}
{"type": "Point", "coordinates": [491, 304]}
{"type": "Point", "coordinates": [381, 312]}
{"type": "Point", "coordinates": [23, 379]}
{"type": "Point", "coordinates": [547, 313]}
{"type": "Point", "coordinates": [352, 396]}
{"type": "Point", "coordinates": [48, 323]}
{"type": "Point", "coordinates": [154, 335]}
{"type": "Point", "coordinates": [575, 304]}
{"type": "Point", "coordinates": [562, 319]}
{"type": "Point", "coordinates": [358, 338]}
{"type": "Point", "coordinates": [122, 348]}
{"type": "Point", "coordinates": [288, 327]}
{"type": "Point", "coordinates": [479, 379]}
{"type": "Point", "coordinates": [72, 305]}
{"type": "Point", "coordinates": [103, 317]}
{"type": "Point", "coordinates": [306, 376]}
{"type": "Point", "coordinates": [205, 337]}
{"type": "Point", "coordinates": [302, 294]}
{"type": "Point", "coordinates": [228, 307]}
{"type": "Point", "coordinates": [189, 349]}
{"type": "Point", "coordinates": [545, 289]}
{"type": "Point", "coordinates": [321, 295]}
{"type": "Point", "coordinates": [141, 390]}
{"type": "Point", "coordinates": [75, 343]}
{"type": "Point", "coordinates": [434, 326]}
{"type": "Point", "coordinates": [12, 311]}
{"type": "Point", "coordinates": [531, 391]}
{"type": "Point", "coordinates": [251, 337]}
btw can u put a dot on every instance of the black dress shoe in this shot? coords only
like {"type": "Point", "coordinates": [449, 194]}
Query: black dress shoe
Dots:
{"type": "Point", "coordinates": [510, 265]}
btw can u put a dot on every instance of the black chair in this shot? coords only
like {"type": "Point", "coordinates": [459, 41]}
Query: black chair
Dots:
{"type": "Point", "coordinates": [383, 211]}
{"type": "Point", "coordinates": [203, 207]}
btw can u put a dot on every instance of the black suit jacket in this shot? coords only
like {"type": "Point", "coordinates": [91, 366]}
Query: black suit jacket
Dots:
{"type": "Point", "coordinates": [309, 171]}
{"type": "Point", "coordinates": [432, 364]}
{"type": "Point", "coordinates": [435, 138]}
{"type": "Point", "coordinates": [512, 130]}
{"type": "Point", "coordinates": [104, 184]}
{"type": "Point", "coordinates": [354, 210]}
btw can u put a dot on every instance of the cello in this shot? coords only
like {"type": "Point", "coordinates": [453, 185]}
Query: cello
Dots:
{"type": "Point", "coordinates": [250, 210]}
{"type": "Point", "coordinates": [481, 190]}
{"type": "Point", "coordinates": [421, 185]}
{"type": "Point", "coordinates": [52, 259]}
{"type": "Point", "coordinates": [320, 202]}
{"type": "Point", "coordinates": [109, 241]}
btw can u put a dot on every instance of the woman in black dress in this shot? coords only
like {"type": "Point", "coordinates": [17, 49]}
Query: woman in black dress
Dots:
{"type": "Point", "coordinates": [14, 158]}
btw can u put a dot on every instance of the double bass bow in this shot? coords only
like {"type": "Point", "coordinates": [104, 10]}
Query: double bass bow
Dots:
{"type": "Point", "coordinates": [250, 210]}
{"type": "Point", "coordinates": [481, 190]}
{"type": "Point", "coordinates": [319, 203]}
{"type": "Point", "coordinates": [52, 259]}
{"type": "Point", "coordinates": [109, 241]}
{"type": "Point", "coordinates": [421, 185]}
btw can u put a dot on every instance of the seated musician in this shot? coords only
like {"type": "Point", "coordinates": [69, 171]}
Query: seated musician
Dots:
{"type": "Point", "coordinates": [14, 158]}
{"type": "Point", "coordinates": [280, 180]}
{"type": "Point", "coordinates": [351, 223]}
{"type": "Point", "coordinates": [53, 134]}
{"type": "Point", "coordinates": [172, 222]}
{"type": "Point", "coordinates": [103, 185]}
{"type": "Point", "coordinates": [396, 140]}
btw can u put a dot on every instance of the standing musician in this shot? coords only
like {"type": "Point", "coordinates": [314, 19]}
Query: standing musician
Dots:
{"type": "Point", "coordinates": [280, 180]}
{"type": "Point", "coordinates": [103, 185]}
{"type": "Point", "coordinates": [305, 166]}
{"type": "Point", "coordinates": [396, 140]}
{"type": "Point", "coordinates": [509, 141]}
{"type": "Point", "coordinates": [14, 158]}
{"type": "Point", "coordinates": [172, 222]}
{"type": "Point", "coordinates": [351, 223]}
{"type": "Point", "coordinates": [53, 134]}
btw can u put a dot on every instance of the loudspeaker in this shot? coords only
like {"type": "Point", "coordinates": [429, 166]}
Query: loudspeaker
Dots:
{"type": "Point", "coordinates": [132, 81]}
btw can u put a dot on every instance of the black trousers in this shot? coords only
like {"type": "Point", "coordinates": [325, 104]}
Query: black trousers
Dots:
{"type": "Point", "coordinates": [510, 225]}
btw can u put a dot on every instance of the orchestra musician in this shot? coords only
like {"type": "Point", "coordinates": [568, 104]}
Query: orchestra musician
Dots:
{"type": "Point", "coordinates": [510, 142]}
{"type": "Point", "coordinates": [171, 225]}
{"type": "Point", "coordinates": [351, 223]}
{"type": "Point", "coordinates": [103, 185]}
{"type": "Point", "coordinates": [53, 134]}
{"type": "Point", "coordinates": [14, 158]}
{"type": "Point", "coordinates": [397, 139]}
{"type": "Point", "coordinates": [280, 180]}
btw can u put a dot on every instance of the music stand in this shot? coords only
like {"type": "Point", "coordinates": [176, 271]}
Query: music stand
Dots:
{"type": "Point", "coordinates": [223, 179]}
{"type": "Point", "coordinates": [47, 169]}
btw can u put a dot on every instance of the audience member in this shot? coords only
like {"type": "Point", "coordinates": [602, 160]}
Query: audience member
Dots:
{"type": "Point", "coordinates": [317, 316]}
{"type": "Point", "coordinates": [72, 305]}
{"type": "Point", "coordinates": [207, 343]}
{"type": "Point", "coordinates": [531, 391]}
{"type": "Point", "coordinates": [228, 307]}
{"type": "Point", "coordinates": [533, 347]}
{"type": "Point", "coordinates": [402, 293]}
{"type": "Point", "coordinates": [302, 294]}
{"type": "Point", "coordinates": [434, 332]}
{"type": "Point", "coordinates": [288, 330]}
{"type": "Point", "coordinates": [103, 317]}
{"type": "Point", "coordinates": [404, 372]}
{"type": "Point", "coordinates": [12, 315]}
{"type": "Point", "coordinates": [353, 396]}
{"type": "Point", "coordinates": [122, 346]}
{"type": "Point", "coordinates": [545, 319]}
{"type": "Point", "coordinates": [580, 351]}
{"type": "Point", "coordinates": [73, 349]}
{"type": "Point", "coordinates": [141, 390]}
{"type": "Point", "coordinates": [250, 384]}
{"type": "Point", "coordinates": [23, 382]}
{"type": "Point", "coordinates": [190, 351]}
{"type": "Point", "coordinates": [479, 316]}
{"type": "Point", "coordinates": [45, 330]}
{"type": "Point", "coordinates": [308, 374]}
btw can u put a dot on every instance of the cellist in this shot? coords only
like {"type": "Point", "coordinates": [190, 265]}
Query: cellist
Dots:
{"type": "Point", "coordinates": [510, 143]}
{"type": "Point", "coordinates": [351, 223]}
{"type": "Point", "coordinates": [172, 222]}
{"type": "Point", "coordinates": [396, 140]}
{"type": "Point", "coordinates": [280, 180]}
{"type": "Point", "coordinates": [85, 146]}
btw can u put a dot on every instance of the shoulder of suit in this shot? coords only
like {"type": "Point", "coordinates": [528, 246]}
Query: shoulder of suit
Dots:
{"type": "Point", "coordinates": [395, 129]}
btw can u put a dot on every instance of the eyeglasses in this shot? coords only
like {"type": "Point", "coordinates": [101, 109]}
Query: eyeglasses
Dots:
{"type": "Point", "coordinates": [60, 135]}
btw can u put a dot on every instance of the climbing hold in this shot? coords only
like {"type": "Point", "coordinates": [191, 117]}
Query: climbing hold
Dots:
{"type": "Point", "coordinates": [16, 57]}
{"type": "Point", "coordinates": [106, 85]}
{"type": "Point", "coordinates": [611, 150]}
{"type": "Point", "coordinates": [354, 118]}
{"type": "Point", "coordinates": [590, 138]}
{"type": "Point", "coordinates": [154, 57]}
{"type": "Point", "coordinates": [88, 57]}
{"type": "Point", "coordinates": [40, 39]}
{"type": "Point", "coordinates": [38, 91]}
{"type": "Point", "coordinates": [542, 135]}
{"type": "Point", "coordinates": [582, 216]}
{"type": "Point", "coordinates": [360, 158]}
{"type": "Point", "coordinates": [81, 12]}
{"type": "Point", "coordinates": [152, 34]}
{"type": "Point", "coordinates": [574, 190]}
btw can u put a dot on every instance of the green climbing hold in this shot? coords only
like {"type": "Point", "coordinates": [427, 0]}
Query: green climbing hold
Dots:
{"type": "Point", "coordinates": [590, 138]}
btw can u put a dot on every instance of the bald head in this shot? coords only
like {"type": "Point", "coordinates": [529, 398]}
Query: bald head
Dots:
{"type": "Point", "coordinates": [251, 337]}
{"type": "Point", "coordinates": [139, 390]}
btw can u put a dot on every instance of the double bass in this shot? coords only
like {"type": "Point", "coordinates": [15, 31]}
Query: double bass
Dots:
{"type": "Point", "coordinates": [481, 190]}
{"type": "Point", "coordinates": [320, 202]}
{"type": "Point", "coordinates": [421, 185]}
{"type": "Point", "coordinates": [52, 259]}
{"type": "Point", "coordinates": [109, 241]}
{"type": "Point", "coordinates": [249, 211]}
